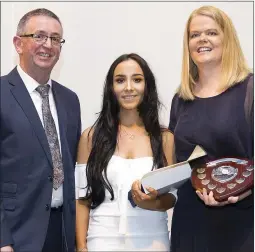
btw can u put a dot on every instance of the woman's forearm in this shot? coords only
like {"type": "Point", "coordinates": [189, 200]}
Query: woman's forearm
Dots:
{"type": "Point", "coordinates": [165, 202]}
{"type": "Point", "coordinates": [82, 223]}
{"type": "Point", "coordinates": [162, 203]}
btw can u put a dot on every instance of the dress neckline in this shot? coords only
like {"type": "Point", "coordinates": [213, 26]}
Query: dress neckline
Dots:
{"type": "Point", "coordinates": [129, 159]}
{"type": "Point", "coordinates": [220, 94]}
{"type": "Point", "coordinates": [212, 97]}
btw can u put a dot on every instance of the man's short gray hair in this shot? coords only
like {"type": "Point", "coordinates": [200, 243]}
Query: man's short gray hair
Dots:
{"type": "Point", "coordinates": [37, 12]}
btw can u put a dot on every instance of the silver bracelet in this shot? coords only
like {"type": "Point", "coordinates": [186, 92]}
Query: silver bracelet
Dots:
{"type": "Point", "coordinates": [82, 250]}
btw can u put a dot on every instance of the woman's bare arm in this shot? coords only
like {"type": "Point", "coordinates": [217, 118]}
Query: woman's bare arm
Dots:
{"type": "Point", "coordinates": [83, 206]}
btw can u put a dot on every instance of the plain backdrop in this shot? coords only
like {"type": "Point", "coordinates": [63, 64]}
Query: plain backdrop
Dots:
{"type": "Point", "coordinates": [97, 33]}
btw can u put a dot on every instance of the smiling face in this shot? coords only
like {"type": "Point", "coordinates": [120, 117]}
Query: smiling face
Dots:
{"type": "Point", "coordinates": [128, 84]}
{"type": "Point", "coordinates": [205, 41]}
{"type": "Point", "coordinates": [36, 56]}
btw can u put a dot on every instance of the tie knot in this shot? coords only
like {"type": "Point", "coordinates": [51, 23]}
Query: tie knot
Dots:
{"type": "Point", "coordinates": [43, 90]}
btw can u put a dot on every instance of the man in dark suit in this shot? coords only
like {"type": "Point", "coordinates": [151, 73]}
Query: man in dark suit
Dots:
{"type": "Point", "coordinates": [40, 130]}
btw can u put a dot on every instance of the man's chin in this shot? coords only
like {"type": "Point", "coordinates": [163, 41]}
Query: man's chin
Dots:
{"type": "Point", "coordinates": [45, 66]}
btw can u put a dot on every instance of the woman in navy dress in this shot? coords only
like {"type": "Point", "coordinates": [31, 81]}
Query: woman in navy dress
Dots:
{"type": "Point", "coordinates": [208, 110]}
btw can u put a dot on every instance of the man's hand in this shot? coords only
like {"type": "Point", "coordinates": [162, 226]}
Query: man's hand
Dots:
{"type": "Point", "coordinates": [6, 249]}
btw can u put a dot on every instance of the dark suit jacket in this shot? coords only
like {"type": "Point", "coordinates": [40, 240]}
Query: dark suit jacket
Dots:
{"type": "Point", "coordinates": [26, 166]}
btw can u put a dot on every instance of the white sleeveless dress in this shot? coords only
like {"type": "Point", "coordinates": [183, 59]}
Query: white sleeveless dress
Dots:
{"type": "Point", "coordinates": [115, 225]}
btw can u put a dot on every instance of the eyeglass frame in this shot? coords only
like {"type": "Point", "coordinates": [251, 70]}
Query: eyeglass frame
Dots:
{"type": "Point", "coordinates": [62, 41]}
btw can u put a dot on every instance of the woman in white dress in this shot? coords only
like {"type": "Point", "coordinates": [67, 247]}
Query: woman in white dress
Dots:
{"type": "Point", "coordinates": [125, 142]}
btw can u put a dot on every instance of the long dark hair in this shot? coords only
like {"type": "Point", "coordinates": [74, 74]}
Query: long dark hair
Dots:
{"type": "Point", "coordinates": [105, 131]}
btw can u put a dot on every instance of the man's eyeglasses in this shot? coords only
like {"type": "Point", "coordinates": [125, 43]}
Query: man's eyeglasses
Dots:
{"type": "Point", "coordinates": [41, 39]}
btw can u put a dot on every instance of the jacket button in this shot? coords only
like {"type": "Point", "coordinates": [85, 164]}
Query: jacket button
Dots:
{"type": "Point", "coordinates": [50, 178]}
{"type": "Point", "coordinates": [47, 207]}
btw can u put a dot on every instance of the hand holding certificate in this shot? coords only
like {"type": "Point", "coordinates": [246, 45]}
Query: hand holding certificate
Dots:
{"type": "Point", "coordinates": [169, 178]}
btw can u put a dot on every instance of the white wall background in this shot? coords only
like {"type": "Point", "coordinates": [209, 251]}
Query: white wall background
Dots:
{"type": "Point", "coordinates": [97, 33]}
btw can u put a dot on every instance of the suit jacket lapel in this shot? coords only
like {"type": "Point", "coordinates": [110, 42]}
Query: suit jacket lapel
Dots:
{"type": "Point", "coordinates": [22, 96]}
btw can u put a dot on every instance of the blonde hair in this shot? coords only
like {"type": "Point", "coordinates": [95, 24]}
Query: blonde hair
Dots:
{"type": "Point", "coordinates": [233, 64]}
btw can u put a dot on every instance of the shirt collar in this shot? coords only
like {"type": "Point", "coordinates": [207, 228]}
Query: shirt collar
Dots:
{"type": "Point", "coordinates": [30, 83]}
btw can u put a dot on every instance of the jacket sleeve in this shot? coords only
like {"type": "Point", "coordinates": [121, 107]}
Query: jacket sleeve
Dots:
{"type": "Point", "coordinates": [5, 232]}
{"type": "Point", "coordinates": [79, 129]}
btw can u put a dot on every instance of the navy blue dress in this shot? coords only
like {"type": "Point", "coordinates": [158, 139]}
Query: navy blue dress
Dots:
{"type": "Point", "coordinates": [217, 124]}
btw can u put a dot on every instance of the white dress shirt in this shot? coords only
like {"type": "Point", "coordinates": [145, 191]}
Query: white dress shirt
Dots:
{"type": "Point", "coordinates": [31, 85]}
